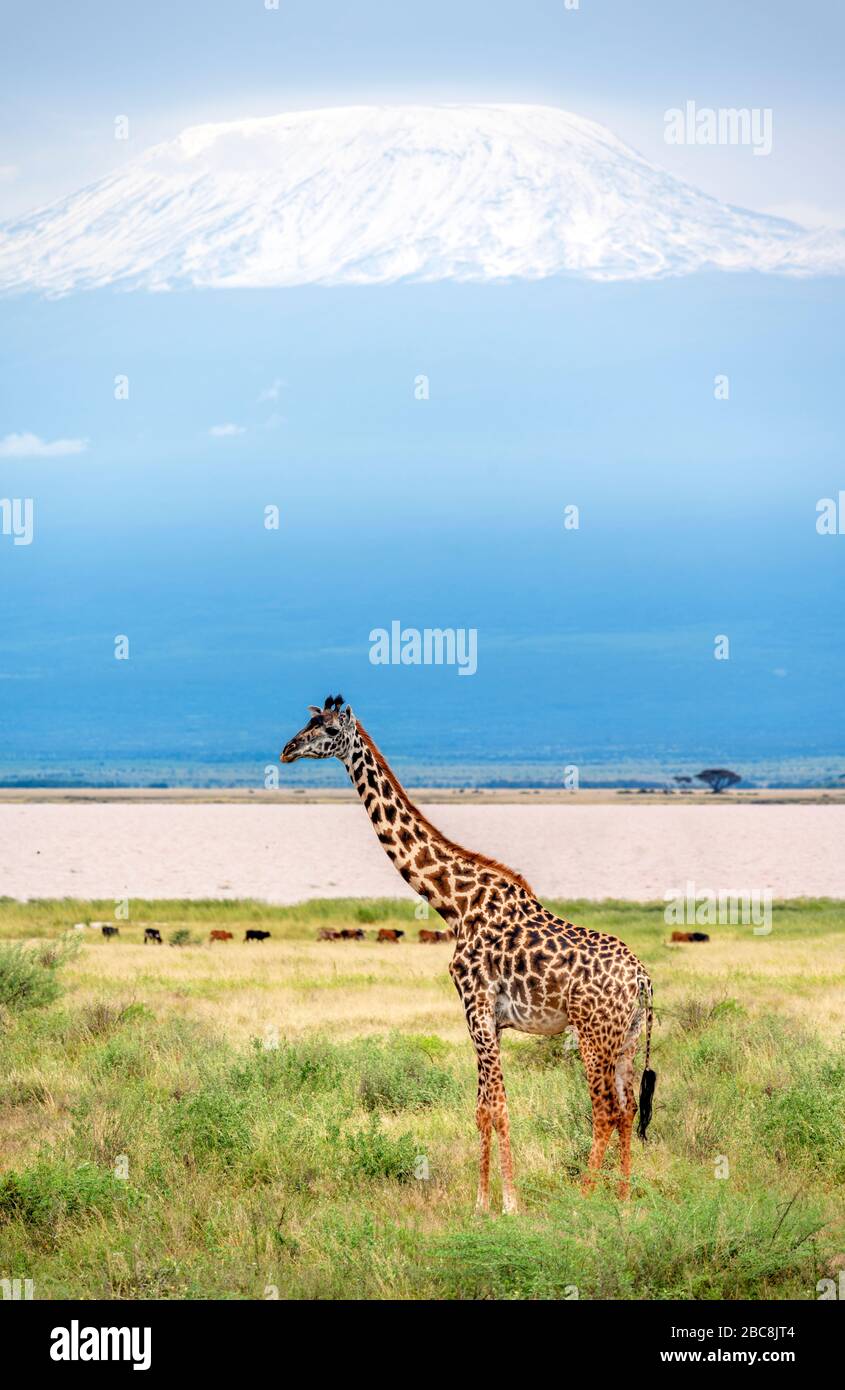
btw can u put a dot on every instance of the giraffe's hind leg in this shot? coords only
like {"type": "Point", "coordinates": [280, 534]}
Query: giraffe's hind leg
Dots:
{"type": "Point", "coordinates": [601, 1080]}
{"type": "Point", "coordinates": [627, 1101]}
{"type": "Point", "coordinates": [627, 1111]}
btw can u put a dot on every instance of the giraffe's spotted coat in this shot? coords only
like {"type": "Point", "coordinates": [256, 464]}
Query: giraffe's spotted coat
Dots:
{"type": "Point", "coordinates": [515, 965]}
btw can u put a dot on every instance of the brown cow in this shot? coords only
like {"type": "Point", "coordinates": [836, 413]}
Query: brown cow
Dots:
{"type": "Point", "coordinates": [426, 935]}
{"type": "Point", "coordinates": [221, 936]}
{"type": "Point", "coordinates": [326, 934]}
{"type": "Point", "coordinates": [690, 936]}
{"type": "Point", "coordinates": [387, 934]}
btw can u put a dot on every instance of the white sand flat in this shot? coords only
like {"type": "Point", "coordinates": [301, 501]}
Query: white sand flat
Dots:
{"type": "Point", "coordinates": [287, 853]}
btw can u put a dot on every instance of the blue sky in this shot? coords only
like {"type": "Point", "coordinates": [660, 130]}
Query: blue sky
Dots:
{"type": "Point", "coordinates": [66, 77]}
{"type": "Point", "coordinates": [698, 515]}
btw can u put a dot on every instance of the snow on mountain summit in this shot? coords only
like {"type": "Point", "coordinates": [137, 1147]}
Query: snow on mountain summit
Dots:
{"type": "Point", "coordinates": [371, 195]}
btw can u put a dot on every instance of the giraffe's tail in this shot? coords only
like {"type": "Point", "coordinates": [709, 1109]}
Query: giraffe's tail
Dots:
{"type": "Point", "coordinates": [649, 1078]}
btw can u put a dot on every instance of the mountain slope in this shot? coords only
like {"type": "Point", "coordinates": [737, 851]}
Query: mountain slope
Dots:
{"type": "Point", "coordinates": [369, 195]}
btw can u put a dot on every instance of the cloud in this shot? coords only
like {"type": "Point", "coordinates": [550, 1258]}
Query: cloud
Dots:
{"type": "Point", "coordinates": [8, 172]}
{"type": "Point", "coordinates": [226, 431]}
{"type": "Point", "coordinates": [30, 446]}
{"type": "Point", "coordinates": [807, 214]}
{"type": "Point", "coordinates": [272, 392]}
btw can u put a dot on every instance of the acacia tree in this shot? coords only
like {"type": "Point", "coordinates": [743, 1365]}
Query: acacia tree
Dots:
{"type": "Point", "coordinates": [717, 778]}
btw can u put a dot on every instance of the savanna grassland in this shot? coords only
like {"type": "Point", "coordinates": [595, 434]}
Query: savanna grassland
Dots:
{"type": "Point", "coordinates": [230, 1120]}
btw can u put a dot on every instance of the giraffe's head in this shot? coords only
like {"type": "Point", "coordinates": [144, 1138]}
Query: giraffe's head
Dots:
{"type": "Point", "coordinates": [328, 733]}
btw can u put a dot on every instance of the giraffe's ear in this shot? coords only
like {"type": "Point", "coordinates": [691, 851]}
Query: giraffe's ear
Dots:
{"type": "Point", "coordinates": [313, 709]}
{"type": "Point", "coordinates": [348, 716]}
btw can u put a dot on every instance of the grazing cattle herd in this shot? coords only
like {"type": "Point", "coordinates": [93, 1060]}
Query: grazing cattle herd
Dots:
{"type": "Point", "coordinates": [426, 935]}
{"type": "Point", "coordinates": [383, 934]}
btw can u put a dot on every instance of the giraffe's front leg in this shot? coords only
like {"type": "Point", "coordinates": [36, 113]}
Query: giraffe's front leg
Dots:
{"type": "Point", "coordinates": [491, 1110]}
{"type": "Point", "coordinates": [484, 1120]}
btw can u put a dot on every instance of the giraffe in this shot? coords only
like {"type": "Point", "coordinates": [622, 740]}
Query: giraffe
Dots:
{"type": "Point", "coordinates": [515, 964]}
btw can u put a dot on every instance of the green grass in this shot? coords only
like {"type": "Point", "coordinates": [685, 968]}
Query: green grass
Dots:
{"type": "Point", "coordinates": [46, 916]}
{"type": "Point", "coordinates": [154, 1152]}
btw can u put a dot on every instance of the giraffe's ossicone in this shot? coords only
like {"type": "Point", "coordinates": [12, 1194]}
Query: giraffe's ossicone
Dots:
{"type": "Point", "coordinates": [516, 965]}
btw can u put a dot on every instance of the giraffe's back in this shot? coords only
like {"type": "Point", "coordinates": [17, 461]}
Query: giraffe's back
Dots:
{"type": "Point", "coordinates": [544, 974]}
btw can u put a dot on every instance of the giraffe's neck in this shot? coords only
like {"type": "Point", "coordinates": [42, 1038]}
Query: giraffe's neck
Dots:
{"type": "Point", "coordinates": [441, 872]}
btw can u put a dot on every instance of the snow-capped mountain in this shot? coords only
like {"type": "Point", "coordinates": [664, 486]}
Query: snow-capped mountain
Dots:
{"type": "Point", "coordinates": [370, 195]}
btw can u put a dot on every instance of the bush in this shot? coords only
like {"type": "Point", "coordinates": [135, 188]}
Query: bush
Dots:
{"type": "Point", "coordinates": [40, 1195]}
{"type": "Point", "coordinates": [212, 1124]}
{"type": "Point", "coordinates": [312, 1064]}
{"type": "Point", "coordinates": [402, 1077]}
{"type": "Point", "coordinates": [28, 976]}
{"type": "Point", "coordinates": [717, 1245]}
{"type": "Point", "coordinates": [506, 1261]}
{"type": "Point", "coordinates": [101, 1018]}
{"type": "Point", "coordinates": [805, 1123]}
{"type": "Point", "coordinates": [374, 1154]}
{"type": "Point", "coordinates": [544, 1054]}
{"type": "Point", "coordinates": [694, 1014]}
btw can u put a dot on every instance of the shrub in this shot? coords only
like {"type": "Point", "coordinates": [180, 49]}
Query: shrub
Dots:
{"type": "Point", "coordinates": [402, 1077]}
{"type": "Point", "coordinates": [311, 1064]}
{"type": "Point", "coordinates": [544, 1054]}
{"type": "Point", "coordinates": [506, 1261]}
{"type": "Point", "coordinates": [715, 1245]}
{"type": "Point", "coordinates": [805, 1123]}
{"type": "Point", "coordinates": [101, 1018]}
{"type": "Point", "coordinates": [694, 1014]}
{"type": "Point", "coordinates": [28, 977]}
{"type": "Point", "coordinates": [212, 1124]}
{"type": "Point", "coordinates": [374, 1154]}
{"type": "Point", "coordinates": [41, 1194]}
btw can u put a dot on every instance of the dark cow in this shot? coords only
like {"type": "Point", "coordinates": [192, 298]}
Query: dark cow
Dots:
{"type": "Point", "coordinates": [387, 934]}
{"type": "Point", "coordinates": [256, 935]}
{"type": "Point", "coordinates": [351, 934]}
{"type": "Point", "coordinates": [217, 935]}
{"type": "Point", "coordinates": [327, 934]}
{"type": "Point", "coordinates": [110, 931]}
{"type": "Point", "coordinates": [426, 935]}
{"type": "Point", "coordinates": [690, 936]}
{"type": "Point", "coordinates": [152, 934]}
